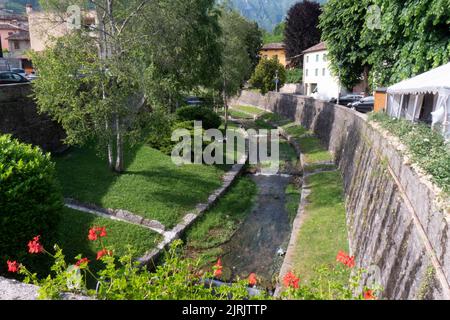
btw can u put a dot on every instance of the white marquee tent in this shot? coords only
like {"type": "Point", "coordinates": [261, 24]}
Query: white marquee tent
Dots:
{"type": "Point", "coordinates": [427, 95]}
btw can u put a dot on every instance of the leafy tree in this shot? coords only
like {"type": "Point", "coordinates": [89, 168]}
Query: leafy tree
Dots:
{"type": "Point", "coordinates": [412, 37]}
{"type": "Point", "coordinates": [236, 65]}
{"type": "Point", "coordinates": [341, 23]}
{"type": "Point", "coordinates": [265, 74]}
{"type": "Point", "coordinates": [142, 56]}
{"type": "Point", "coordinates": [277, 35]}
{"type": "Point", "coordinates": [301, 30]}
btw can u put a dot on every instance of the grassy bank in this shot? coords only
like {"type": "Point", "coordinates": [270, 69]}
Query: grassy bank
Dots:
{"type": "Point", "coordinates": [324, 231]}
{"type": "Point", "coordinates": [152, 186]}
{"type": "Point", "coordinates": [72, 235]}
{"type": "Point", "coordinates": [426, 147]}
{"type": "Point", "coordinates": [218, 225]}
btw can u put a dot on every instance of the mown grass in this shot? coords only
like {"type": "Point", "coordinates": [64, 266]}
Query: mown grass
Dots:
{"type": "Point", "coordinates": [249, 109]}
{"type": "Point", "coordinates": [72, 235]}
{"type": "Point", "coordinates": [292, 201]}
{"type": "Point", "coordinates": [218, 225]}
{"type": "Point", "coordinates": [295, 130]}
{"type": "Point", "coordinates": [324, 231]}
{"type": "Point", "coordinates": [152, 186]}
{"type": "Point", "coordinates": [313, 150]}
{"type": "Point", "coordinates": [236, 114]}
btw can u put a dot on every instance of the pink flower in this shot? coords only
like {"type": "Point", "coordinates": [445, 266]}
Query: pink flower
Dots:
{"type": "Point", "coordinates": [34, 246]}
{"type": "Point", "coordinates": [13, 266]}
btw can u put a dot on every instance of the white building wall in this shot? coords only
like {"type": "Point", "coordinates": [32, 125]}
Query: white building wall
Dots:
{"type": "Point", "coordinates": [316, 71]}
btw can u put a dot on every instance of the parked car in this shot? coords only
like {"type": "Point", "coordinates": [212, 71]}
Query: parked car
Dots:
{"type": "Point", "coordinates": [9, 77]}
{"type": "Point", "coordinates": [194, 101]}
{"type": "Point", "coordinates": [32, 76]}
{"type": "Point", "coordinates": [365, 105]}
{"type": "Point", "coordinates": [19, 71]}
{"type": "Point", "coordinates": [345, 100]}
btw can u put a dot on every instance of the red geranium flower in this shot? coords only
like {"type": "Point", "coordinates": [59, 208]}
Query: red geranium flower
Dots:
{"type": "Point", "coordinates": [34, 246]}
{"type": "Point", "coordinates": [96, 232]}
{"type": "Point", "coordinates": [218, 268]}
{"type": "Point", "coordinates": [13, 266]}
{"type": "Point", "coordinates": [82, 262]}
{"type": "Point", "coordinates": [345, 259]}
{"type": "Point", "coordinates": [290, 280]}
{"type": "Point", "coordinates": [369, 295]}
{"type": "Point", "coordinates": [103, 252]}
{"type": "Point", "coordinates": [252, 280]}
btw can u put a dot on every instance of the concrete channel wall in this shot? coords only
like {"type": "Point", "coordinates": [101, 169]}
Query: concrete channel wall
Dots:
{"type": "Point", "coordinates": [398, 221]}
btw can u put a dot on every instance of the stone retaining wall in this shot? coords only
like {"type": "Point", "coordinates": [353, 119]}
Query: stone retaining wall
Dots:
{"type": "Point", "coordinates": [19, 117]}
{"type": "Point", "coordinates": [398, 220]}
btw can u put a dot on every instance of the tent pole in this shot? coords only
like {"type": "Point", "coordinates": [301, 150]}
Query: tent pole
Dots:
{"type": "Point", "coordinates": [400, 106]}
{"type": "Point", "coordinates": [416, 105]}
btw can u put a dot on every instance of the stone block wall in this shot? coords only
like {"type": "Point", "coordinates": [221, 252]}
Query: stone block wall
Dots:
{"type": "Point", "coordinates": [19, 117]}
{"type": "Point", "coordinates": [398, 221]}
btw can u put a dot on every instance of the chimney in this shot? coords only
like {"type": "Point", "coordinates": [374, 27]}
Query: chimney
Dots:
{"type": "Point", "coordinates": [29, 8]}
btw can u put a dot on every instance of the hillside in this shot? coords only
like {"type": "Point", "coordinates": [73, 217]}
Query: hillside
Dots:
{"type": "Point", "coordinates": [268, 13]}
{"type": "Point", "coordinates": [18, 5]}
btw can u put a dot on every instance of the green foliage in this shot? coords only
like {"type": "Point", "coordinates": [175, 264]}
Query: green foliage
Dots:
{"type": "Point", "coordinates": [30, 201]}
{"type": "Point", "coordinates": [265, 73]}
{"type": "Point", "coordinates": [294, 75]}
{"type": "Point", "coordinates": [209, 118]}
{"type": "Point", "coordinates": [123, 279]}
{"type": "Point", "coordinates": [143, 54]}
{"type": "Point", "coordinates": [277, 35]}
{"type": "Point", "coordinates": [426, 147]}
{"type": "Point", "coordinates": [327, 284]}
{"type": "Point", "coordinates": [412, 38]}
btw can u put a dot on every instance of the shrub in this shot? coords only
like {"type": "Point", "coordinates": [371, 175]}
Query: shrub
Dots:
{"type": "Point", "coordinates": [294, 75]}
{"type": "Point", "coordinates": [210, 119]}
{"type": "Point", "coordinates": [160, 127]}
{"type": "Point", "coordinates": [264, 76]}
{"type": "Point", "coordinates": [30, 201]}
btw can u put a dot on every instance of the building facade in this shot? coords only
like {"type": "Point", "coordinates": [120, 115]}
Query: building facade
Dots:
{"type": "Point", "coordinates": [274, 50]}
{"type": "Point", "coordinates": [318, 81]}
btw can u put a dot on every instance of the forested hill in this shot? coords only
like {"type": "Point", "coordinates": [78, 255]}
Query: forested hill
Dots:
{"type": "Point", "coordinates": [268, 13]}
{"type": "Point", "coordinates": [18, 6]}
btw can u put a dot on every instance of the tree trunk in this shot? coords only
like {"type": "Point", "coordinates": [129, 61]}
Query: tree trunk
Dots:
{"type": "Point", "coordinates": [119, 147]}
{"type": "Point", "coordinates": [366, 80]}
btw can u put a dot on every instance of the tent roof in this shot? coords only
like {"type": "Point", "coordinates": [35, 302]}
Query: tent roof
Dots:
{"type": "Point", "coordinates": [434, 81]}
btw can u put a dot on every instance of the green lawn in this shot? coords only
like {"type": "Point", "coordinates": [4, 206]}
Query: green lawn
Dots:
{"type": "Point", "coordinates": [249, 109]}
{"type": "Point", "coordinates": [217, 226]}
{"type": "Point", "coordinates": [236, 114]}
{"type": "Point", "coordinates": [72, 235]}
{"type": "Point", "coordinates": [295, 130]}
{"type": "Point", "coordinates": [152, 185]}
{"type": "Point", "coordinates": [324, 231]}
{"type": "Point", "coordinates": [292, 201]}
{"type": "Point", "coordinates": [313, 150]}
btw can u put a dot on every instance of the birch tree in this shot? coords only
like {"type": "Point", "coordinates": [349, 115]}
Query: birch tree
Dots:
{"type": "Point", "coordinates": [100, 80]}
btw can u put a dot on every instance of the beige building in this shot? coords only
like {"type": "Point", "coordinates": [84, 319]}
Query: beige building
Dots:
{"type": "Point", "coordinates": [276, 50]}
{"type": "Point", "coordinates": [44, 26]}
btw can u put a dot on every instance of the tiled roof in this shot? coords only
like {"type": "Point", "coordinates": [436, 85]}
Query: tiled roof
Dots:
{"type": "Point", "coordinates": [273, 46]}
{"type": "Point", "coordinates": [318, 47]}
{"type": "Point", "coordinates": [21, 35]}
{"type": "Point", "coordinates": [10, 26]}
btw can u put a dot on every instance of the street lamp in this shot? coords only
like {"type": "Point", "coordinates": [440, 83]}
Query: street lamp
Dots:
{"type": "Point", "coordinates": [339, 83]}
{"type": "Point", "coordinates": [277, 79]}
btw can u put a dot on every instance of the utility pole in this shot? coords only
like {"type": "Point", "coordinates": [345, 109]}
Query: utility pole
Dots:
{"type": "Point", "coordinates": [276, 80]}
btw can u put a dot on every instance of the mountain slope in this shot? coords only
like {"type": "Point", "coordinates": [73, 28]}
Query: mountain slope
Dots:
{"type": "Point", "coordinates": [268, 13]}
